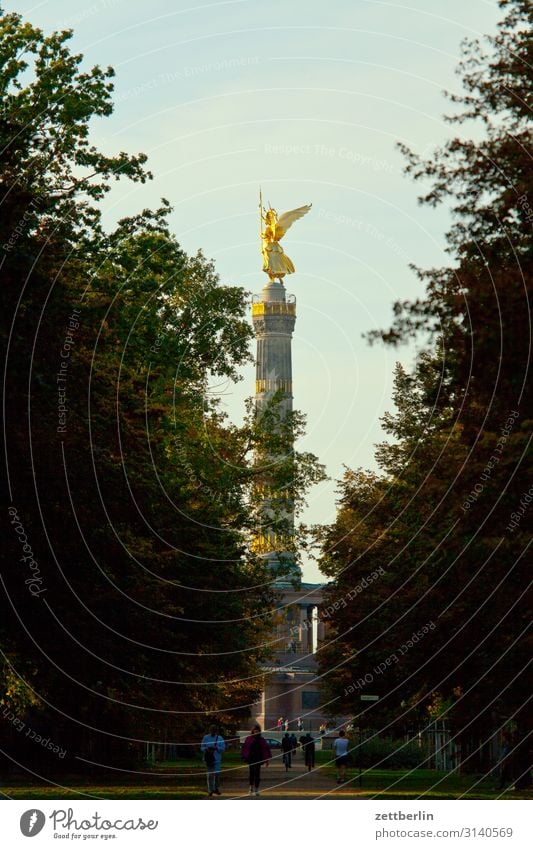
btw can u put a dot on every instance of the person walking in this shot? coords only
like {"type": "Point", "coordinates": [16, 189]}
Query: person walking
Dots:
{"type": "Point", "coordinates": [521, 760]}
{"type": "Point", "coordinates": [212, 746]}
{"type": "Point", "coordinates": [299, 724]}
{"type": "Point", "coordinates": [294, 743]}
{"type": "Point", "coordinates": [279, 723]}
{"type": "Point", "coordinates": [340, 747]}
{"type": "Point", "coordinates": [256, 752]}
{"type": "Point", "coordinates": [286, 725]}
{"type": "Point", "coordinates": [286, 748]}
{"type": "Point", "coordinates": [309, 752]}
{"type": "Point", "coordinates": [505, 763]}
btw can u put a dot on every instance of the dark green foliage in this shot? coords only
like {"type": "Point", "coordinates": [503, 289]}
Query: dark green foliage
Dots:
{"type": "Point", "coordinates": [148, 613]}
{"type": "Point", "coordinates": [384, 753]}
{"type": "Point", "coordinates": [439, 519]}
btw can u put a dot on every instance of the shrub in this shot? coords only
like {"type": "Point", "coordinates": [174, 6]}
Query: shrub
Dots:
{"type": "Point", "coordinates": [386, 753]}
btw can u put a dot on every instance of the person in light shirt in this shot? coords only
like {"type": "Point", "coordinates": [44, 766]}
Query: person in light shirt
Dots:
{"type": "Point", "coordinates": [212, 746]}
{"type": "Point", "coordinates": [340, 747]}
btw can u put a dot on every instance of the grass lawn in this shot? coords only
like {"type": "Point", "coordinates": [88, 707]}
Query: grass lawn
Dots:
{"type": "Point", "coordinates": [121, 786]}
{"type": "Point", "coordinates": [418, 783]}
{"type": "Point", "coordinates": [423, 784]}
{"type": "Point", "coordinates": [79, 790]}
{"type": "Point", "coordinates": [376, 784]}
{"type": "Point", "coordinates": [185, 779]}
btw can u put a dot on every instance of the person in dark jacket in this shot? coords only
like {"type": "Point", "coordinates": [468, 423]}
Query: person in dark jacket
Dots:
{"type": "Point", "coordinates": [521, 764]}
{"type": "Point", "coordinates": [506, 773]}
{"type": "Point", "coordinates": [294, 741]}
{"type": "Point", "coordinates": [256, 752]}
{"type": "Point", "coordinates": [286, 748]}
{"type": "Point", "coordinates": [308, 745]}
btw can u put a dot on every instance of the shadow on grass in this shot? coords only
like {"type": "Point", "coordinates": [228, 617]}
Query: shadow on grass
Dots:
{"type": "Point", "coordinates": [422, 784]}
{"type": "Point", "coordinates": [185, 779]}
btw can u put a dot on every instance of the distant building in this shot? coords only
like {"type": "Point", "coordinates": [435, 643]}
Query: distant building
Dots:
{"type": "Point", "coordinates": [292, 689]}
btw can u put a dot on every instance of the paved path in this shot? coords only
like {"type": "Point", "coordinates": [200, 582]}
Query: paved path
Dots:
{"type": "Point", "coordinates": [298, 783]}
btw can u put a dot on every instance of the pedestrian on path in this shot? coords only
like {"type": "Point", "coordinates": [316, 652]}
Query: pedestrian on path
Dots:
{"type": "Point", "coordinates": [279, 723]}
{"type": "Point", "coordinates": [521, 760]}
{"type": "Point", "coordinates": [294, 741]}
{"type": "Point", "coordinates": [212, 746]}
{"type": "Point", "coordinates": [299, 724]}
{"type": "Point", "coordinates": [340, 747]}
{"type": "Point", "coordinates": [505, 762]}
{"type": "Point", "coordinates": [309, 752]}
{"type": "Point", "coordinates": [286, 748]}
{"type": "Point", "coordinates": [256, 752]}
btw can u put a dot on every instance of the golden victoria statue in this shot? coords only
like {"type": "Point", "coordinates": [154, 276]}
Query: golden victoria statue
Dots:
{"type": "Point", "coordinates": [276, 263]}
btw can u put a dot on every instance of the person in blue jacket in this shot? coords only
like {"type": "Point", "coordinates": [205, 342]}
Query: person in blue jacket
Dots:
{"type": "Point", "coordinates": [212, 746]}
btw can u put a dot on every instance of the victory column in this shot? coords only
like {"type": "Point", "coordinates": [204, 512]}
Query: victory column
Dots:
{"type": "Point", "coordinates": [291, 687]}
{"type": "Point", "coordinates": [274, 316]}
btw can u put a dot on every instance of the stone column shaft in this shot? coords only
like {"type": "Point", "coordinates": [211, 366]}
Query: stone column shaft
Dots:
{"type": "Point", "coordinates": [273, 318]}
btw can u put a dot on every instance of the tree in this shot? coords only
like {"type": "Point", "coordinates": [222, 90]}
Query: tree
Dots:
{"type": "Point", "coordinates": [135, 608]}
{"type": "Point", "coordinates": [439, 519]}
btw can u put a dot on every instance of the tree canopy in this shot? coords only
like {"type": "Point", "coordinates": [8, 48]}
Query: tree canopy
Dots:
{"type": "Point", "coordinates": [447, 519]}
{"type": "Point", "coordinates": [135, 608]}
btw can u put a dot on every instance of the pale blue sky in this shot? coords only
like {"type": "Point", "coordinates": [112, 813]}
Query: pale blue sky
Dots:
{"type": "Point", "coordinates": [307, 99]}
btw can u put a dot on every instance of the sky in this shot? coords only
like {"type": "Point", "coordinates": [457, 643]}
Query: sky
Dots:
{"type": "Point", "coordinates": [308, 100]}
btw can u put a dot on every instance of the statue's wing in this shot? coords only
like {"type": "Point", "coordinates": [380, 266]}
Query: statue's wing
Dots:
{"type": "Point", "coordinates": [288, 218]}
